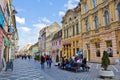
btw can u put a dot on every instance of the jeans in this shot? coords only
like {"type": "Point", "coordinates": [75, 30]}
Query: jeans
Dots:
{"type": "Point", "coordinates": [42, 65]}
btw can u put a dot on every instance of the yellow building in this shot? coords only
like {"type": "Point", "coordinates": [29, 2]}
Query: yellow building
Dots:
{"type": "Point", "coordinates": [100, 21]}
{"type": "Point", "coordinates": [71, 32]}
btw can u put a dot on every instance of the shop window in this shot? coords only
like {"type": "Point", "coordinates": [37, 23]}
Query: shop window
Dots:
{"type": "Point", "coordinates": [109, 48]}
{"type": "Point", "coordinates": [110, 52]}
{"type": "Point", "coordinates": [109, 43]}
{"type": "Point", "coordinates": [98, 52]}
{"type": "Point", "coordinates": [97, 45]}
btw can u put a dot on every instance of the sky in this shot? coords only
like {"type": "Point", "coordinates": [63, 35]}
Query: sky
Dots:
{"type": "Point", "coordinates": [33, 15]}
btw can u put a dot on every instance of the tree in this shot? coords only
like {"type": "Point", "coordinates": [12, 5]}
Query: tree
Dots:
{"type": "Point", "coordinates": [105, 60]}
{"type": "Point", "coordinates": [57, 58]}
{"type": "Point", "coordinates": [37, 57]}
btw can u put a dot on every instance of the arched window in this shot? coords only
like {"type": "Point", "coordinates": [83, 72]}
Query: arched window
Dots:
{"type": "Point", "coordinates": [85, 7]}
{"type": "Point", "coordinates": [94, 3]}
{"type": "Point", "coordinates": [87, 25]}
{"type": "Point", "coordinates": [118, 8]}
{"type": "Point", "coordinates": [96, 21]}
{"type": "Point", "coordinates": [106, 17]}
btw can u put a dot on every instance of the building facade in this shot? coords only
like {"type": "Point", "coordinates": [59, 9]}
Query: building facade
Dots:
{"type": "Point", "coordinates": [50, 30]}
{"type": "Point", "coordinates": [57, 45]}
{"type": "Point", "coordinates": [33, 49]}
{"type": "Point", "coordinates": [71, 32]}
{"type": "Point", "coordinates": [7, 19]}
{"type": "Point", "coordinates": [42, 41]}
{"type": "Point", "coordinates": [100, 21]}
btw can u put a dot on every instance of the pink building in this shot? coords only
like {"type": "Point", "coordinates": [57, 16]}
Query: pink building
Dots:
{"type": "Point", "coordinates": [57, 44]}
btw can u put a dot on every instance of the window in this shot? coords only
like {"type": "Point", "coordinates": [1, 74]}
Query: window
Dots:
{"type": "Point", "coordinates": [98, 52]}
{"type": "Point", "coordinates": [109, 43]}
{"type": "Point", "coordinates": [56, 43]}
{"type": "Point", "coordinates": [109, 48]}
{"type": "Point", "coordinates": [87, 25]}
{"type": "Point", "coordinates": [67, 33]}
{"type": "Point", "coordinates": [118, 8]}
{"type": "Point", "coordinates": [85, 7]}
{"type": "Point", "coordinates": [96, 21]}
{"type": "Point", "coordinates": [77, 29]}
{"type": "Point", "coordinates": [94, 3]}
{"type": "Point", "coordinates": [97, 45]}
{"type": "Point", "coordinates": [106, 17]}
{"type": "Point", "coordinates": [59, 42]}
{"type": "Point", "coordinates": [77, 43]}
{"type": "Point", "coordinates": [64, 34]}
{"type": "Point", "coordinates": [73, 31]}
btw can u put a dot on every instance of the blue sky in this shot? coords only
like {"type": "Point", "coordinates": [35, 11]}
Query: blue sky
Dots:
{"type": "Point", "coordinates": [33, 15]}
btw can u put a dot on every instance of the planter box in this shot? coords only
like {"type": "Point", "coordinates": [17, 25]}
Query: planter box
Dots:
{"type": "Point", "coordinates": [106, 74]}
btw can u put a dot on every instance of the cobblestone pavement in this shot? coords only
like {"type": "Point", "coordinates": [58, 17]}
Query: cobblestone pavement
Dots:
{"type": "Point", "coordinates": [30, 70]}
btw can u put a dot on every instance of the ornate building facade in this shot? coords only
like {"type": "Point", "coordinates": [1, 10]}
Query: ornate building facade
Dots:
{"type": "Point", "coordinates": [100, 21]}
{"type": "Point", "coordinates": [71, 32]}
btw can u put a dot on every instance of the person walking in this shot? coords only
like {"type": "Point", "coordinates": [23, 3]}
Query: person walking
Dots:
{"type": "Point", "coordinates": [42, 62]}
{"type": "Point", "coordinates": [50, 61]}
{"type": "Point", "coordinates": [47, 60]}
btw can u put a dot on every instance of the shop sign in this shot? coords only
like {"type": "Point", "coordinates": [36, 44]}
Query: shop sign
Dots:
{"type": "Point", "coordinates": [94, 40]}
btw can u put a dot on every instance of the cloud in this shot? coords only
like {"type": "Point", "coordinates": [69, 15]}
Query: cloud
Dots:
{"type": "Point", "coordinates": [39, 25]}
{"type": "Point", "coordinates": [45, 20]}
{"type": "Point", "coordinates": [20, 20]}
{"type": "Point", "coordinates": [61, 13]}
{"type": "Point", "coordinates": [71, 4]}
{"type": "Point", "coordinates": [26, 29]}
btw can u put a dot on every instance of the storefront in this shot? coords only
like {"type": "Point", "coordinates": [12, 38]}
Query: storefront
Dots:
{"type": "Point", "coordinates": [95, 45]}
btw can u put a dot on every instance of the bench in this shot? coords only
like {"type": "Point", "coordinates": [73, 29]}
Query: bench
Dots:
{"type": "Point", "coordinates": [79, 67]}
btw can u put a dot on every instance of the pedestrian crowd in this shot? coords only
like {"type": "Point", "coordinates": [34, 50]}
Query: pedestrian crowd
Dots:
{"type": "Point", "coordinates": [24, 56]}
{"type": "Point", "coordinates": [47, 59]}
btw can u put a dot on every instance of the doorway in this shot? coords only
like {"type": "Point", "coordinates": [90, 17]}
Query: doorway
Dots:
{"type": "Point", "coordinates": [88, 54]}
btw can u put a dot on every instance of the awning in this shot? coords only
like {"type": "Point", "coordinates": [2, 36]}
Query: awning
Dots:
{"type": "Point", "coordinates": [67, 43]}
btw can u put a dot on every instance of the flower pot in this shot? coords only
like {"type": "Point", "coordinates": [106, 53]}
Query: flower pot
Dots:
{"type": "Point", "coordinates": [106, 73]}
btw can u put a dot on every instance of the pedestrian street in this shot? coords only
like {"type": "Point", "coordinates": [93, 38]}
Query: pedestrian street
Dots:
{"type": "Point", "coordinates": [31, 70]}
